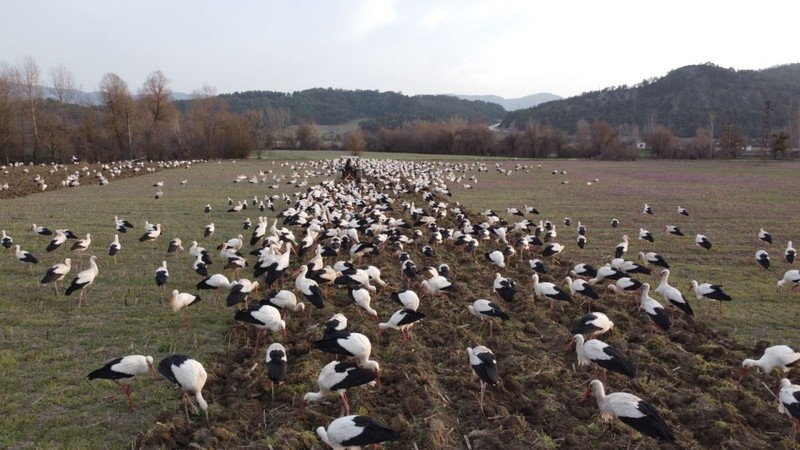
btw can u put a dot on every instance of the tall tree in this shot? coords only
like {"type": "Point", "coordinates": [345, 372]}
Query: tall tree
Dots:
{"type": "Point", "coordinates": [65, 89]}
{"type": "Point", "coordinates": [32, 93]}
{"type": "Point", "coordinates": [155, 98]}
{"type": "Point", "coordinates": [9, 137]}
{"type": "Point", "coordinates": [661, 141]}
{"type": "Point", "coordinates": [205, 117]}
{"type": "Point", "coordinates": [121, 112]}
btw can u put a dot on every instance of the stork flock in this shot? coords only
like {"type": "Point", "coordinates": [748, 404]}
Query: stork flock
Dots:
{"type": "Point", "coordinates": [365, 245]}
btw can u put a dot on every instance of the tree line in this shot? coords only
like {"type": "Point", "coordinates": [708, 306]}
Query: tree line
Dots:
{"type": "Point", "coordinates": [148, 123]}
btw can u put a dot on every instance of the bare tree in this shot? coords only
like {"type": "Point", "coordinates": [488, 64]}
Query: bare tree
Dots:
{"type": "Point", "coordinates": [158, 110]}
{"type": "Point", "coordinates": [120, 105]}
{"type": "Point", "coordinates": [205, 120]}
{"type": "Point", "coordinates": [65, 89]}
{"type": "Point", "coordinates": [661, 141]}
{"type": "Point", "coordinates": [32, 92]}
{"type": "Point", "coordinates": [277, 121]}
{"type": "Point", "coordinates": [10, 142]}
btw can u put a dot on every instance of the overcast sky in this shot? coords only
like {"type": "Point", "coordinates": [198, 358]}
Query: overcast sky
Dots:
{"type": "Point", "coordinates": [505, 47]}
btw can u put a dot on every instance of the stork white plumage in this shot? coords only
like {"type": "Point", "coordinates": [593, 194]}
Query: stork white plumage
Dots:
{"type": "Point", "coordinates": [710, 292]}
{"type": "Point", "coordinates": [789, 403]}
{"type": "Point", "coordinates": [497, 258]}
{"type": "Point", "coordinates": [506, 288]}
{"type": "Point", "coordinates": [40, 230]}
{"type": "Point", "coordinates": [778, 357]}
{"type": "Point", "coordinates": [790, 276]}
{"type": "Point", "coordinates": [647, 209]}
{"type": "Point", "coordinates": [360, 296]}
{"type": "Point", "coordinates": [283, 299]}
{"type": "Point", "coordinates": [265, 318]}
{"type": "Point", "coordinates": [593, 324]}
{"type": "Point", "coordinates": [645, 235]}
{"type": "Point", "coordinates": [632, 411]}
{"type": "Point", "coordinates": [114, 247]}
{"type": "Point", "coordinates": [484, 364]}
{"type": "Point", "coordinates": [355, 345]}
{"type": "Point", "coordinates": [622, 247]}
{"type": "Point", "coordinates": [7, 241]}
{"type": "Point", "coordinates": [308, 287]}
{"type": "Point", "coordinates": [208, 230]}
{"type": "Point", "coordinates": [121, 225]}
{"type": "Point", "coordinates": [762, 259]}
{"type": "Point", "coordinates": [683, 211]}
{"type": "Point", "coordinates": [125, 367]}
{"type": "Point", "coordinates": [189, 375]}
{"type": "Point", "coordinates": [276, 365]}
{"type": "Point", "coordinates": [162, 275]}
{"type": "Point", "coordinates": [438, 285]}
{"type": "Point", "coordinates": [673, 230]}
{"type": "Point", "coordinates": [175, 246]}
{"type": "Point", "coordinates": [702, 241]}
{"type": "Point", "coordinates": [552, 249]}
{"type": "Point", "coordinates": [25, 256]}
{"type": "Point", "coordinates": [151, 235]}
{"type": "Point", "coordinates": [549, 291]}
{"type": "Point", "coordinates": [353, 432]}
{"type": "Point", "coordinates": [603, 355]}
{"type": "Point", "coordinates": [83, 280]}
{"type": "Point", "coordinates": [240, 291]}
{"type": "Point", "coordinates": [654, 310]}
{"type": "Point", "coordinates": [407, 298]}
{"type": "Point", "coordinates": [56, 273]}
{"type": "Point", "coordinates": [183, 300]}
{"type": "Point", "coordinates": [790, 253]}
{"type": "Point", "coordinates": [654, 259]}
{"type": "Point", "coordinates": [403, 320]}
{"type": "Point", "coordinates": [486, 311]}
{"type": "Point", "coordinates": [671, 293]}
{"type": "Point", "coordinates": [764, 236]}
{"type": "Point", "coordinates": [583, 288]}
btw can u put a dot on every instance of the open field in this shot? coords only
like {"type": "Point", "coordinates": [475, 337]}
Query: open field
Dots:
{"type": "Point", "coordinates": [49, 344]}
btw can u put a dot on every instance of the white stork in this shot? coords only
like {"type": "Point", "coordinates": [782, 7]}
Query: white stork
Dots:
{"type": "Point", "coordinates": [486, 311]}
{"type": "Point", "coordinates": [594, 324]}
{"type": "Point", "coordinates": [789, 403]}
{"type": "Point", "coordinates": [162, 275]}
{"type": "Point", "coordinates": [790, 253]}
{"type": "Point", "coordinates": [183, 300]}
{"type": "Point", "coordinates": [83, 280]}
{"type": "Point", "coordinates": [632, 411]}
{"type": "Point", "coordinates": [125, 367]}
{"type": "Point", "coordinates": [189, 375]}
{"type": "Point", "coordinates": [762, 258]}
{"type": "Point", "coordinates": [265, 318]}
{"type": "Point", "coordinates": [654, 310]}
{"type": "Point", "coordinates": [403, 320]}
{"type": "Point", "coordinates": [710, 292]}
{"type": "Point", "coordinates": [353, 432]}
{"type": "Point", "coordinates": [671, 293]}
{"type": "Point", "coordinates": [781, 357]}
{"type": "Point", "coordinates": [484, 364]}
{"type": "Point", "coordinates": [276, 365]}
{"type": "Point", "coordinates": [56, 273]}
{"type": "Point", "coordinates": [602, 354]}
{"type": "Point", "coordinates": [702, 241]}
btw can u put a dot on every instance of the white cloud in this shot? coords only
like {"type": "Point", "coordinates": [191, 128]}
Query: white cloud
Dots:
{"type": "Point", "coordinates": [371, 15]}
{"type": "Point", "coordinates": [434, 18]}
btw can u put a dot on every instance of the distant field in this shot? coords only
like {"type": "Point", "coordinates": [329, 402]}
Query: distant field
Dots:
{"type": "Point", "coordinates": [49, 344]}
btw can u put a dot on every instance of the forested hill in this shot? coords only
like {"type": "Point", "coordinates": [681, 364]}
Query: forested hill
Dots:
{"type": "Point", "coordinates": [337, 106]}
{"type": "Point", "coordinates": [682, 100]}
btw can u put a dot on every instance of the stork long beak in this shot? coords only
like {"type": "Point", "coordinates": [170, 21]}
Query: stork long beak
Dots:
{"type": "Point", "coordinates": [586, 395]}
{"type": "Point", "coordinates": [571, 346]}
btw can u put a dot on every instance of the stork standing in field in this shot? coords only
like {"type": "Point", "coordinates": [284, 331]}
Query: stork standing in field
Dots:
{"type": "Point", "coordinates": [190, 376]}
{"type": "Point", "coordinates": [710, 292]}
{"type": "Point", "coordinates": [683, 211]}
{"type": "Point", "coordinates": [594, 324]}
{"type": "Point", "coordinates": [672, 294]}
{"type": "Point", "coordinates": [240, 292]}
{"type": "Point", "coordinates": [125, 367]}
{"type": "Point", "coordinates": [183, 300]}
{"type": "Point", "coordinates": [337, 377]}
{"type": "Point", "coordinates": [762, 258]}
{"type": "Point", "coordinates": [646, 235]}
{"type": "Point", "coordinates": [7, 241]}
{"type": "Point", "coordinates": [702, 241]}
{"type": "Point", "coordinates": [674, 230]}
{"type": "Point", "coordinates": [632, 411]}
{"type": "Point", "coordinates": [175, 246]}
{"type": "Point", "coordinates": [484, 364]}
{"type": "Point", "coordinates": [656, 312]}
{"type": "Point", "coordinates": [25, 256]}
{"type": "Point", "coordinates": [83, 280]}
{"type": "Point", "coordinates": [284, 299]}
{"type": "Point", "coordinates": [276, 366]}
{"type": "Point", "coordinates": [353, 432]}
{"type": "Point", "coordinates": [602, 354]}
{"type": "Point", "coordinates": [790, 276]}
{"type": "Point", "coordinates": [40, 230]}
{"type": "Point", "coordinates": [654, 259]}
{"type": "Point", "coordinates": [121, 225]}
{"type": "Point", "coordinates": [790, 253]}
{"type": "Point", "coordinates": [622, 247]}
{"type": "Point", "coordinates": [58, 240]}
{"type": "Point", "coordinates": [403, 320]}
{"type": "Point", "coordinates": [549, 291]}
{"type": "Point", "coordinates": [764, 236]}
{"type": "Point", "coordinates": [407, 298]}
{"type": "Point", "coordinates": [506, 288]}
{"type": "Point", "coordinates": [308, 287]}
{"type": "Point", "coordinates": [214, 282]}
{"type": "Point", "coordinates": [152, 234]}
{"type": "Point", "coordinates": [583, 288]}
{"type": "Point", "coordinates": [497, 258]}
{"type": "Point", "coordinates": [56, 273]}
{"type": "Point", "coordinates": [780, 357]}
{"type": "Point", "coordinates": [355, 345]}
{"type": "Point", "coordinates": [438, 285]}
{"type": "Point", "coordinates": [265, 318]}
{"type": "Point", "coordinates": [162, 275]}
{"type": "Point", "coordinates": [360, 296]}
{"type": "Point", "coordinates": [789, 403]}
{"type": "Point", "coordinates": [114, 248]}
{"type": "Point", "coordinates": [486, 311]}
